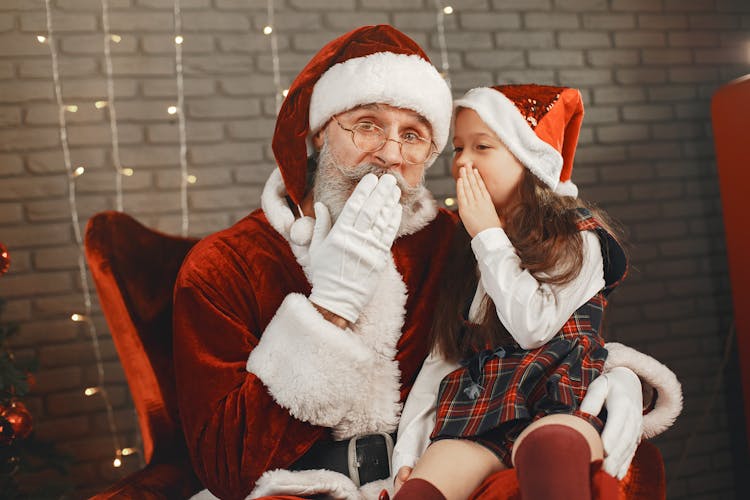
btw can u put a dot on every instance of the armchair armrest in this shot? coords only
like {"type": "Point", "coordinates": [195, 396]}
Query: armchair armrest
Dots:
{"type": "Point", "coordinates": [171, 480]}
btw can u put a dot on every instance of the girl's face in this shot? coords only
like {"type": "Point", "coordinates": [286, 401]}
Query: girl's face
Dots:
{"type": "Point", "coordinates": [476, 145]}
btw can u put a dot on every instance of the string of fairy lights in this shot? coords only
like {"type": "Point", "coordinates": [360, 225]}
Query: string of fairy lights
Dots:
{"type": "Point", "coordinates": [110, 105]}
{"type": "Point", "coordinates": [120, 171]}
{"type": "Point", "coordinates": [184, 178]}
{"type": "Point", "coordinates": [269, 31]}
{"type": "Point", "coordinates": [72, 175]}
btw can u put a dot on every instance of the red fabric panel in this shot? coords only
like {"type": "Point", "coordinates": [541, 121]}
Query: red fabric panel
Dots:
{"type": "Point", "coordinates": [730, 108]}
{"type": "Point", "coordinates": [134, 269]}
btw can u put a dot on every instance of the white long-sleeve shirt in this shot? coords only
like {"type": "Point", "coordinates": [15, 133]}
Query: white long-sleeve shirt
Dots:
{"type": "Point", "coordinates": [532, 312]}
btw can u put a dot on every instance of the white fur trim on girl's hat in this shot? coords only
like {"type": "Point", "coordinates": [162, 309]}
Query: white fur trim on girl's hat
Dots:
{"type": "Point", "coordinates": [503, 117]}
{"type": "Point", "coordinates": [400, 80]}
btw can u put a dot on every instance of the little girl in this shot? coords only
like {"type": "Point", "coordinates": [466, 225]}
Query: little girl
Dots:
{"type": "Point", "coordinates": [516, 339]}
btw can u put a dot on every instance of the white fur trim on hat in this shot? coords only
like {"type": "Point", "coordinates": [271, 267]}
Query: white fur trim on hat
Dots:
{"type": "Point", "coordinates": [504, 118]}
{"type": "Point", "coordinates": [567, 188]}
{"type": "Point", "coordinates": [400, 80]}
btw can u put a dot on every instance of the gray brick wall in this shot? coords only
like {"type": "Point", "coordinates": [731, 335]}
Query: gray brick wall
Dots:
{"type": "Point", "coordinates": [646, 68]}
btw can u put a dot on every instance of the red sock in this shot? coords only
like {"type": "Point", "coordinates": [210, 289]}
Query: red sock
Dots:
{"type": "Point", "coordinates": [603, 486]}
{"type": "Point", "coordinates": [552, 462]}
{"type": "Point", "coordinates": [418, 489]}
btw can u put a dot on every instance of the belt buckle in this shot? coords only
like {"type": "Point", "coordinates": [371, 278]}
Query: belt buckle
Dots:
{"type": "Point", "coordinates": [352, 455]}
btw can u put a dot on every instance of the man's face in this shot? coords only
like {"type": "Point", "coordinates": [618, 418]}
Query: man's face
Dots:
{"type": "Point", "coordinates": [341, 165]}
{"type": "Point", "coordinates": [398, 125]}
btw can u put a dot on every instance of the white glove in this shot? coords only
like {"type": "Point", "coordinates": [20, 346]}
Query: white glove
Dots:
{"type": "Point", "coordinates": [345, 261]}
{"type": "Point", "coordinates": [620, 390]}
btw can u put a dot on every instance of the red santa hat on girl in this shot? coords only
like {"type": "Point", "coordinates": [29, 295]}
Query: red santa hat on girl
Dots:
{"type": "Point", "coordinates": [372, 64]}
{"type": "Point", "coordinates": [539, 124]}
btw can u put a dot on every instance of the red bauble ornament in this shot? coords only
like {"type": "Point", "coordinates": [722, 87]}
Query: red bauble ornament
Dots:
{"type": "Point", "coordinates": [6, 432]}
{"type": "Point", "coordinates": [4, 259]}
{"type": "Point", "coordinates": [19, 419]}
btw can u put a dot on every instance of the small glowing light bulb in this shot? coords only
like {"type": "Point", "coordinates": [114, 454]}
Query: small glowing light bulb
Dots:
{"type": "Point", "coordinates": [129, 451]}
{"type": "Point", "coordinates": [448, 9]}
{"type": "Point", "coordinates": [172, 110]}
{"type": "Point", "coordinates": [100, 104]}
{"type": "Point", "coordinates": [128, 172]}
{"type": "Point", "coordinates": [449, 202]}
{"type": "Point", "coordinates": [267, 30]}
{"type": "Point", "coordinates": [285, 92]}
{"type": "Point", "coordinates": [115, 38]}
{"type": "Point", "coordinates": [72, 108]}
{"type": "Point", "coordinates": [78, 172]}
{"type": "Point", "coordinates": [77, 317]}
{"type": "Point", "coordinates": [117, 462]}
{"type": "Point", "coordinates": [192, 179]}
{"type": "Point", "coordinates": [178, 39]}
{"type": "Point", "coordinates": [41, 38]}
{"type": "Point", "coordinates": [90, 391]}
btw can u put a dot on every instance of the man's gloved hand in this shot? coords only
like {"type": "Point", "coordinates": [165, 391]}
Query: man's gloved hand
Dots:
{"type": "Point", "coordinates": [619, 389]}
{"type": "Point", "coordinates": [345, 261]}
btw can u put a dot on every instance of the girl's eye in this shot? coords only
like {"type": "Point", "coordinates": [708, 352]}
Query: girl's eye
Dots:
{"type": "Point", "coordinates": [482, 146]}
{"type": "Point", "coordinates": [457, 150]}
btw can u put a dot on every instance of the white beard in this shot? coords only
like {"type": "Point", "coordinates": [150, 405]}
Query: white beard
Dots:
{"type": "Point", "coordinates": [334, 183]}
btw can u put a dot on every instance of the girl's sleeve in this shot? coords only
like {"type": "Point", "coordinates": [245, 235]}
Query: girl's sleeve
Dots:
{"type": "Point", "coordinates": [418, 416]}
{"type": "Point", "coordinates": [533, 312]}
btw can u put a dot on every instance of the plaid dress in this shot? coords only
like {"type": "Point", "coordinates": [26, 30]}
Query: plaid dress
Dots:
{"type": "Point", "coordinates": [498, 392]}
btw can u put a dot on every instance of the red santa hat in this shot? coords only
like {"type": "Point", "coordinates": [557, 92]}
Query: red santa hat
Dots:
{"type": "Point", "coordinates": [538, 123]}
{"type": "Point", "coordinates": [372, 64]}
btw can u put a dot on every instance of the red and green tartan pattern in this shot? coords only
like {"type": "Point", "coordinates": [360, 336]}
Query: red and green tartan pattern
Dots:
{"type": "Point", "coordinates": [522, 385]}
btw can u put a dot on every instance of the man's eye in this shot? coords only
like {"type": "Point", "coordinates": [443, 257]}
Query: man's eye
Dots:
{"type": "Point", "coordinates": [366, 126]}
{"type": "Point", "coordinates": [411, 137]}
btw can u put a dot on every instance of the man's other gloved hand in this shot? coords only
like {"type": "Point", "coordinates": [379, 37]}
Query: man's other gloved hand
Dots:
{"type": "Point", "coordinates": [619, 389]}
{"type": "Point", "coordinates": [346, 260]}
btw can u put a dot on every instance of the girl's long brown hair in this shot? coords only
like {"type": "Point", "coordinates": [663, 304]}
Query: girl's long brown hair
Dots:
{"type": "Point", "coordinates": [543, 229]}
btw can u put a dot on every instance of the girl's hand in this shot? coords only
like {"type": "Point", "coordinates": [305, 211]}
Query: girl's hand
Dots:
{"type": "Point", "coordinates": [474, 202]}
{"type": "Point", "coordinates": [403, 474]}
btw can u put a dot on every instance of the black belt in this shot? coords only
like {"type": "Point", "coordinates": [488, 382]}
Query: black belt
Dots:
{"type": "Point", "coordinates": [363, 458]}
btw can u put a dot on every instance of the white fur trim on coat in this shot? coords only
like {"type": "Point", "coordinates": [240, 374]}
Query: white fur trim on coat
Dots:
{"type": "Point", "coordinates": [662, 379]}
{"type": "Point", "coordinates": [400, 80]}
{"type": "Point", "coordinates": [504, 118]}
{"type": "Point", "coordinates": [334, 485]}
{"type": "Point", "coordinates": [310, 366]}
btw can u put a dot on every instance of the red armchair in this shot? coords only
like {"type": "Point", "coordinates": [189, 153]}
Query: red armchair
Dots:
{"type": "Point", "coordinates": [134, 269]}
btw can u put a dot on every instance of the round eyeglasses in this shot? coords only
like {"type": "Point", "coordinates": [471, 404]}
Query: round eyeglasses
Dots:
{"type": "Point", "coordinates": [369, 138]}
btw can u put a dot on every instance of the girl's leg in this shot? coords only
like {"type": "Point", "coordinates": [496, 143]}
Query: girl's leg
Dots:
{"type": "Point", "coordinates": [455, 467]}
{"type": "Point", "coordinates": [553, 458]}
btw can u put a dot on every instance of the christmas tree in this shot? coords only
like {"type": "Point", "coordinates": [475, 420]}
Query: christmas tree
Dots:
{"type": "Point", "coordinates": [21, 455]}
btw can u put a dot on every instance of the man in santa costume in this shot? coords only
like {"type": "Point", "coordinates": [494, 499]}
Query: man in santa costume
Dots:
{"type": "Point", "coordinates": [300, 330]}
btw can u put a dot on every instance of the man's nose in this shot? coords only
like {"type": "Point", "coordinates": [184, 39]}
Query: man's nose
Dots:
{"type": "Point", "coordinates": [390, 154]}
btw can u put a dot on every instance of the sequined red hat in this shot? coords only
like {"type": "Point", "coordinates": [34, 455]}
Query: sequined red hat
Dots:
{"type": "Point", "coordinates": [371, 64]}
{"type": "Point", "coordinates": [538, 123]}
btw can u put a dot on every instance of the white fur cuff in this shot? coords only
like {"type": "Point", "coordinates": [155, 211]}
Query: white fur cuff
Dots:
{"type": "Point", "coordinates": [662, 379]}
{"type": "Point", "coordinates": [311, 367]}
